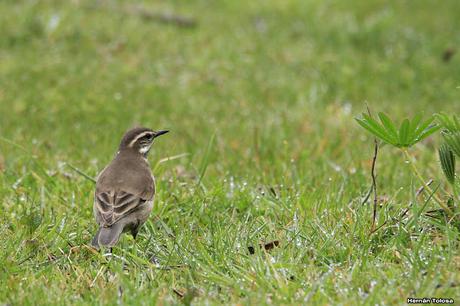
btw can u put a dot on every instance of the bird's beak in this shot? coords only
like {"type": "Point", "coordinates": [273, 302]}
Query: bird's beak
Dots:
{"type": "Point", "coordinates": [159, 133]}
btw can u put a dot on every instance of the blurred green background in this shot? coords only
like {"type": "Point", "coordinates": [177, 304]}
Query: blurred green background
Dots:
{"type": "Point", "coordinates": [76, 74]}
{"type": "Point", "coordinates": [260, 95]}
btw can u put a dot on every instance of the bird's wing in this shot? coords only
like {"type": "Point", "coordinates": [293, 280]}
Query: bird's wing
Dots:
{"type": "Point", "coordinates": [114, 205]}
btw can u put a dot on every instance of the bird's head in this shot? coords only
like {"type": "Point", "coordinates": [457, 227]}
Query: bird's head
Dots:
{"type": "Point", "coordinates": [140, 140]}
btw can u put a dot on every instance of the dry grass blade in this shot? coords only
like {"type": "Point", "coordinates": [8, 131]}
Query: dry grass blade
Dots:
{"type": "Point", "coordinates": [88, 177]}
{"type": "Point", "coordinates": [164, 17]}
{"type": "Point", "coordinates": [169, 158]}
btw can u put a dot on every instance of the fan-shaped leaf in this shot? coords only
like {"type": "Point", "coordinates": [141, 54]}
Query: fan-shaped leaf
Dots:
{"type": "Point", "coordinates": [453, 141]}
{"type": "Point", "coordinates": [447, 158]}
{"type": "Point", "coordinates": [451, 124]}
{"type": "Point", "coordinates": [365, 124]}
{"type": "Point", "coordinates": [414, 126]}
{"type": "Point", "coordinates": [389, 127]}
{"type": "Point", "coordinates": [404, 134]}
{"type": "Point", "coordinates": [408, 134]}
{"type": "Point", "coordinates": [374, 127]}
{"type": "Point", "coordinates": [425, 124]}
{"type": "Point", "coordinates": [456, 123]}
{"type": "Point", "coordinates": [426, 132]}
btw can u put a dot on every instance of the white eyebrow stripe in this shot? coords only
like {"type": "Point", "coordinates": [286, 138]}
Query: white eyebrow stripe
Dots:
{"type": "Point", "coordinates": [137, 137]}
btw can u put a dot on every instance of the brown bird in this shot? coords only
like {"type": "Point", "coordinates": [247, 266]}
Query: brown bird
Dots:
{"type": "Point", "coordinates": [125, 189]}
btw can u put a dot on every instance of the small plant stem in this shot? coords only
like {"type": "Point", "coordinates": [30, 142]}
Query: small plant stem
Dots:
{"type": "Point", "coordinates": [374, 180]}
{"type": "Point", "coordinates": [374, 184]}
{"type": "Point", "coordinates": [425, 186]}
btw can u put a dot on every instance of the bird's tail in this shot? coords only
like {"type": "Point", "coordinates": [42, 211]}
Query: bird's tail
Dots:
{"type": "Point", "coordinates": [107, 236]}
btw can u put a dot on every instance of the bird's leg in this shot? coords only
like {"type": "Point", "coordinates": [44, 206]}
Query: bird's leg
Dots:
{"type": "Point", "coordinates": [135, 230]}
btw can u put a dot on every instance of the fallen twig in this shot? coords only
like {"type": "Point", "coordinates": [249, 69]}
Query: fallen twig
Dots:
{"type": "Point", "coordinates": [267, 246]}
{"type": "Point", "coordinates": [168, 18]}
{"type": "Point", "coordinates": [179, 293]}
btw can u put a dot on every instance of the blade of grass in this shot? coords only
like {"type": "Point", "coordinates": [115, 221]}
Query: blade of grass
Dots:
{"type": "Point", "coordinates": [205, 160]}
{"type": "Point", "coordinates": [88, 177]}
{"type": "Point", "coordinates": [169, 158]}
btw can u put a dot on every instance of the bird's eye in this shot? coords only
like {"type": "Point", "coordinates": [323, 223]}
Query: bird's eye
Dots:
{"type": "Point", "coordinates": [148, 137]}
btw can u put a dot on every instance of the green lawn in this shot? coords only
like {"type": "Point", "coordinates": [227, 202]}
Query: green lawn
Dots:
{"type": "Point", "coordinates": [260, 98]}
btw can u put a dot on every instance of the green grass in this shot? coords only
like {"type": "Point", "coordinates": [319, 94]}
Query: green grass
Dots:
{"type": "Point", "coordinates": [261, 97]}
